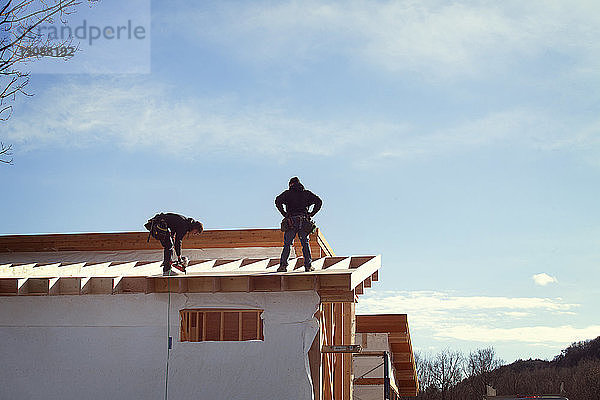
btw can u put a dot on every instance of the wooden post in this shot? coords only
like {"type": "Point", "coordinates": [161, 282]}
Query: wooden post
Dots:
{"type": "Point", "coordinates": [386, 377]}
{"type": "Point", "coordinates": [258, 324]}
{"type": "Point", "coordinates": [349, 332]}
{"type": "Point", "coordinates": [326, 359]}
{"type": "Point", "coordinates": [197, 335]}
{"type": "Point", "coordinates": [222, 327]}
{"type": "Point", "coordinates": [338, 335]}
{"type": "Point", "coordinates": [182, 325]}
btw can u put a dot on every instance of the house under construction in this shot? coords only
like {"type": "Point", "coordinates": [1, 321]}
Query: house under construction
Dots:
{"type": "Point", "coordinates": [91, 316]}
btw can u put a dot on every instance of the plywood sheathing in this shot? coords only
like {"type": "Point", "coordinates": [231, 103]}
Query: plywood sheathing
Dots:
{"type": "Point", "coordinates": [138, 241]}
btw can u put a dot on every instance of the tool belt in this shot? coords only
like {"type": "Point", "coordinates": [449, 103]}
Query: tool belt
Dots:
{"type": "Point", "coordinates": [158, 227]}
{"type": "Point", "coordinates": [300, 223]}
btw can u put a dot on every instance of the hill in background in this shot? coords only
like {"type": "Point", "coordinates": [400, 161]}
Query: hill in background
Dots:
{"type": "Point", "coordinates": [577, 368]}
{"type": "Point", "coordinates": [449, 375]}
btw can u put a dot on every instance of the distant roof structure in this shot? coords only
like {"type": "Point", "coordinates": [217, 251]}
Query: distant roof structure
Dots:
{"type": "Point", "coordinates": [221, 261]}
{"type": "Point", "coordinates": [398, 338]}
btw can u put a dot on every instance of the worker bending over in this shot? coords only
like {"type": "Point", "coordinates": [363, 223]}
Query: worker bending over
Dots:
{"type": "Point", "coordinates": [168, 228]}
{"type": "Point", "coordinates": [297, 220]}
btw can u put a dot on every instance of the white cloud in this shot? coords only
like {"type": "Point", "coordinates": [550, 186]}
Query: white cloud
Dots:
{"type": "Point", "coordinates": [562, 334]}
{"type": "Point", "coordinates": [543, 279]}
{"type": "Point", "coordinates": [487, 319]}
{"type": "Point", "coordinates": [422, 302]}
{"type": "Point", "coordinates": [517, 314]}
{"type": "Point", "coordinates": [150, 115]}
{"type": "Point", "coordinates": [518, 127]}
{"type": "Point", "coordinates": [492, 129]}
{"type": "Point", "coordinates": [431, 38]}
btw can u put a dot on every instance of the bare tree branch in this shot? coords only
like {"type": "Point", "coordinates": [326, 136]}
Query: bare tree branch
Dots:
{"type": "Point", "coordinates": [18, 23]}
{"type": "Point", "coordinates": [41, 16]}
{"type": "Point", "coordinates": [446, 371]}
{"type": "Point", "coordinates": [6, 151]}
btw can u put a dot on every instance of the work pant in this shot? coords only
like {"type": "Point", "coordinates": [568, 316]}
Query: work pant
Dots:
{"type": "Point", "coordinates": [295, 228]}
{"type": "Point", "coordinates": [159, 230]}
{"type": "Point", "coordinates": [167, 244]}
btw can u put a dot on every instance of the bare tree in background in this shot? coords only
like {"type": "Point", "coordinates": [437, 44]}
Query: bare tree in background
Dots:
{"type": "Point", "coordinates": [446, 371]}
{"type": "Point", "coordinates": [478, 367]}
{"type": "Point", "coordinates": [574, 374]}
{"type": "Point", "coordinates": [18, 34]}
{"type": "Point", "coordinates": [422, 365]}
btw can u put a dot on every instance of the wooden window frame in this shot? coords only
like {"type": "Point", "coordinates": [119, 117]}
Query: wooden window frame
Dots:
{"type": "Point", "coordinates": [220, 325]}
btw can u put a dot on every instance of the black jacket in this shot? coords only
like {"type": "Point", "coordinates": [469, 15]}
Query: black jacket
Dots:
{"type": "Point", "coordinates": [297, 200]}
{"type": "Point", "coordinates": [178, 225]}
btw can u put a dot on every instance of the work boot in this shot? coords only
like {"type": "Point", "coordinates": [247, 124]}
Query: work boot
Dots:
{"type": "Point", "coordinates": [282, 268]}
{"type": "Point", "coordinates": [309, 268]}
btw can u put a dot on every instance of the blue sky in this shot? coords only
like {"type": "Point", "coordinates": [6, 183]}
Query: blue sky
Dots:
{"type": "Point", "coordinates": [460, 140]}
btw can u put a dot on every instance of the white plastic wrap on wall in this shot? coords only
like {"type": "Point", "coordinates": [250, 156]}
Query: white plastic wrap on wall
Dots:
{"type": "Point", "coordinates": [115, 347]}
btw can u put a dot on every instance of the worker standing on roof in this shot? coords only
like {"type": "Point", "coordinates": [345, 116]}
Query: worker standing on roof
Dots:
{"type": "Point", "coordinates": [297, 220]}
{"type": "Point", "coordinates": [169, 229]}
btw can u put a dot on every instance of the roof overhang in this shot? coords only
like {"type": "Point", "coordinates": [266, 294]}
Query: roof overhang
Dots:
{"type": "Point", "coordinates": [334, 278]}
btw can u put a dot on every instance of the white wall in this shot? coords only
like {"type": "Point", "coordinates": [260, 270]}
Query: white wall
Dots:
{"type": "Point", "coordinates": [115, 347]}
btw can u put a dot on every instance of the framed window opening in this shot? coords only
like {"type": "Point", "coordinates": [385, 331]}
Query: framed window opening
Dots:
{"type": "Point", "coordinates": [220, 324]}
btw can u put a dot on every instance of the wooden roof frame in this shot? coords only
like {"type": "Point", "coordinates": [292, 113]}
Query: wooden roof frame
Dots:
{"type": "Point", "coordinates": [336, 279]}
{"type": "Point", "coordinates": [332, 284]}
